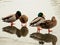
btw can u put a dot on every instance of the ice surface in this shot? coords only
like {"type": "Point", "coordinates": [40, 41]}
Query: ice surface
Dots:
{"type": "Point", "coordinates": [30, 8]}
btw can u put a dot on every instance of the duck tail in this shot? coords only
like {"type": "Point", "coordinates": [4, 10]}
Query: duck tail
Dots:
{"type": "Point", "coordinates": [3, 19]}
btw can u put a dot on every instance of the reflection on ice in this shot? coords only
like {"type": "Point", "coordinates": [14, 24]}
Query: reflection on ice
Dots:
{"type": "Point", "coordinates": [9, 29]}
{"type": "Point", "coordinates": [24, 31]}
{"type": "Point", "coordinates": [19, 32]}
{"type": "Point", "coordinates": [44, 38]}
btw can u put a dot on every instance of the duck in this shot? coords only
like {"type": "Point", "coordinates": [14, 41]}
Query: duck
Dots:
{"type": "Point", "coordinates": [12, 18]}
{"type": "Point", "coordinates": [23, 19]}
{"type": "Point", "coordinates": [48, 24]}
{"type": "Point", "coordinates": [37, 20]}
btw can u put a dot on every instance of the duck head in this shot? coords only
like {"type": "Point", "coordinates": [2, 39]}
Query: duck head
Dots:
{"type": "Point", "coordinates": [53, 18]}
{"type": "Point", "coordinates": [40, 14]}
{"type": "Point", "coordinates": [18, 14]}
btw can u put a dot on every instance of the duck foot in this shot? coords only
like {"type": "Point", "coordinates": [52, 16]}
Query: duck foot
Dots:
{"type": "Point", "coordinates": [49, 31]}
{"type": "Point", "coordinates": [12, 24]}
{"type": "Point", "coordinates": [38, 29]}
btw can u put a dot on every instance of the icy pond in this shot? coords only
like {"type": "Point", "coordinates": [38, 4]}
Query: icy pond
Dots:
{"type": "Point", "coordinates": [30, 8]}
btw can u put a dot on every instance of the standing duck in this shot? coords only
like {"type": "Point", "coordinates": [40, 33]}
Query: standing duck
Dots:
{"type": "Point", "coordinates": [12, 18]}
{"type": "Point", "coordinates": [38, 20]}
{"type": "Point", "coordinates": [23, 19]}
{"type": "Point", "coordinates": [48, 24]}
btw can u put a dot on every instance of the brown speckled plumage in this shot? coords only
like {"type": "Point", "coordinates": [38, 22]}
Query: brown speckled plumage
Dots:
{"type": "Point", "coordinates": [49, 23]}
{"type": "Point", "coordinates": [23, 18]}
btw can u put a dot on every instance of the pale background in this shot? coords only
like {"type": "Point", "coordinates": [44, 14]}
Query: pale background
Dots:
{"type": "Point", "coordinates": [30, 8]}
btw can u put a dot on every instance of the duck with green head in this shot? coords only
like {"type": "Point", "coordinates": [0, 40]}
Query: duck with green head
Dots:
{"type": "Point", "coordinates": [38, 20]}
{"type": "Point", "coordinates": [12, 17]}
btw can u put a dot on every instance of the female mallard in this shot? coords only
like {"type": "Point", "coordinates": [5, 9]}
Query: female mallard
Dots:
{"type": "Point", "coordinates": [38, 20]}
{"type": "Point", "coordinates": [23, 19]}
{"type": "Point", "coordinates": [12, 18]}
{"type": "Point", "coordinates": [48, 24]}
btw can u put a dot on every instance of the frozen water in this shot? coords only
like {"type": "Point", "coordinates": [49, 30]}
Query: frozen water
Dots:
{"type": "Point", "coordinates": [31, 8]}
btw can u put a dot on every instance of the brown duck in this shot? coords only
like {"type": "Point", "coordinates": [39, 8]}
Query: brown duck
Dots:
{"type": "Point", "coordinates": [23, 19]}
{"type": "Point", "coordinates": [48, 24]}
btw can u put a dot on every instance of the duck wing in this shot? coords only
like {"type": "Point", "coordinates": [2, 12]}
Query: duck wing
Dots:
{"type": "Point", "coordinates": [40, 21]}
{"type": "Point", "coordinates": [11, 18]}
{"type": "Point", "coordinates": [46, 24]}
{"type": "Point", "coordinates": [7, 17]}
{"type": "Point", "coordinates": [37, 19]}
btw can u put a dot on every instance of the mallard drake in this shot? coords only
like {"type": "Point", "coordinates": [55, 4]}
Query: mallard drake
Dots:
{"type": "Point", "coordinates": [38, 20]}
{"type": "Point", "coordinates": [48, 24]}
{"type": "Point", "coordinates": [23, 19]}
{"type": "Point", "coordinates": [12, 18]}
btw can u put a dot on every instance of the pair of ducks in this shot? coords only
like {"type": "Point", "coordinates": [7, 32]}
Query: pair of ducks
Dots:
{"type": "Point", "coordinates": [39, 22]}
{"type": "Point", "coordinates": [12, 18]}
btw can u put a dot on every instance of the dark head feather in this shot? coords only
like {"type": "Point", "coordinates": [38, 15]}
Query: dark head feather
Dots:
{"type": "Point", "coordinates": [18, 13]}
{"type": "Point", "coordinates": [40, 14]}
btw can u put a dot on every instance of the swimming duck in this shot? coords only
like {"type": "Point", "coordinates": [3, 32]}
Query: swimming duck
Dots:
{"type": "Point", "coordinates": [38, 20]}
{"type": "Point", "coordinates": [48, 24]}
{"type": "Point", "coordinates": [23, 19]}
{"type": "Point", "coordinates": [12, 18]}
